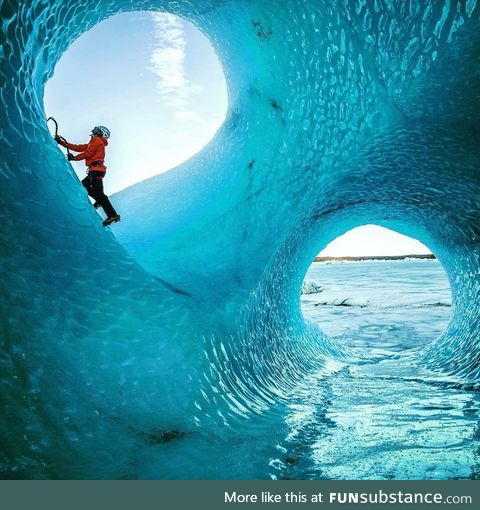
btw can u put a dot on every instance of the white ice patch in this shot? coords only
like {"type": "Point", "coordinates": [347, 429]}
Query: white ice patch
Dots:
{"type": "Point", "coordinates": [345, 302]}
{"type": "Point", "coordinates": [310, 287]}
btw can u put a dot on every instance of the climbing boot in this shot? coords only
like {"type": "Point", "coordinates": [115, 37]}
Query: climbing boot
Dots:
{"type": "Point", "coordinates": [111, 219]}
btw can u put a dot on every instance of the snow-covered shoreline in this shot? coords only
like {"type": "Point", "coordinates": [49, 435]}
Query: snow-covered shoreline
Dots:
{"type": "Point", "coordinates": [374, 259]}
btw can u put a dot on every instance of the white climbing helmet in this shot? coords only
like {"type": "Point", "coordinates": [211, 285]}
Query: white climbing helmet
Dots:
{"type": "Point", "coordinates": [102, 131]}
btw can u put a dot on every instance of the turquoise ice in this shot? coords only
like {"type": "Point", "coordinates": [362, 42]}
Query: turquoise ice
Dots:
{"type": "Point", "coordinates": [184, 320]}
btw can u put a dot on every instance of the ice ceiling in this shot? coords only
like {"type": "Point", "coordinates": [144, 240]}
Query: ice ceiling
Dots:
{"type": "Point", "coordinates": [340, 114]}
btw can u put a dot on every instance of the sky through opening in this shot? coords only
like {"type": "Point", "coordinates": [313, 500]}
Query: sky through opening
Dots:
{"type": "Point", "coordinates": [369, 240]}
{"type": "Point", "coordinates": [153, 79]}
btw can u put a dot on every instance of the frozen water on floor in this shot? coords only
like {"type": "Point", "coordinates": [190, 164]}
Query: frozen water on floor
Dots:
{"type": "Point", "coordinates": [382, 417]}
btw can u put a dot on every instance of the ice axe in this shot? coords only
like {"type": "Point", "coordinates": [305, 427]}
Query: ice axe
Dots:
{"type": "Point", "coordinates": [57, 136]}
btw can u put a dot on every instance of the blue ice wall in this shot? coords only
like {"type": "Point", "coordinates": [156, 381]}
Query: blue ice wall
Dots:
{"type": "Point", "coordinates": [340, 114]}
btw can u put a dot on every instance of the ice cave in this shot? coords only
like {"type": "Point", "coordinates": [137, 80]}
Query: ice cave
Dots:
{"type": "Point", "coordinates": [176, 347]}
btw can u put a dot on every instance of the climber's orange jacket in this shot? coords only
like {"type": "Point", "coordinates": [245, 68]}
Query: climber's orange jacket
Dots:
{"type": "Point", "coordinates": [93, 153]}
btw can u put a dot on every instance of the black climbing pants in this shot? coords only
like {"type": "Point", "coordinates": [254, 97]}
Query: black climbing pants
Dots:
{"type": "Point", "coordinates": [93, 183]}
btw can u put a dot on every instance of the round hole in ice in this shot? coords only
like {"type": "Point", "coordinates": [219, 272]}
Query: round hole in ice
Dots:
{"type": "Point", "coordinates": [379, 289]}
{"type": "Point", "coordinates": [154, 79]}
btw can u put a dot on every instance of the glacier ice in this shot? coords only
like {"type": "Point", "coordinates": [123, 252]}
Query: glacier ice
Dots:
{"type": "Point", "coordinates": [310, 287]}
{"type": "Point", "coordinates": [340, 114]}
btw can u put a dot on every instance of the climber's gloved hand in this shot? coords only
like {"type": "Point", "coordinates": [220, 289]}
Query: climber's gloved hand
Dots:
{"type": "Point", "coordinates": [71, 157]}
{"type": "Point", "coordinates": [58, 139]}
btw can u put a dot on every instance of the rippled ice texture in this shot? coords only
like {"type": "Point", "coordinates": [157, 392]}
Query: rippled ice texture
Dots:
{"type": "Point", "coordinates": [173, 344]}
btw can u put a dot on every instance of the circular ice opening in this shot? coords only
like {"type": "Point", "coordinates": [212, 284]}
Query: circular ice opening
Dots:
{"type": "Point", "coordinates": [375, 288]}
{"type": "Point", "coordinates": [154, 79]}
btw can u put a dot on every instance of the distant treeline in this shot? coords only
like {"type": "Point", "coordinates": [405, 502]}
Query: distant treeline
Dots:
{"type": "Point", "coordinates": [374, 257]}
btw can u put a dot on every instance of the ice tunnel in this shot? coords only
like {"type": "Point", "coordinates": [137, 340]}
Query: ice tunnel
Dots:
{"type": "Point", "coordinates": [185, 317]}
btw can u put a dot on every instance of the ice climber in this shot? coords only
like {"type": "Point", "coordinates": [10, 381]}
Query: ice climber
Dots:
{"type": "Point", "coordinates": [94, 155]}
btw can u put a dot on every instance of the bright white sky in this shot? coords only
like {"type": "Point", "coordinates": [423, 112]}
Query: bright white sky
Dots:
{"type": "Point", "coordinates": [156, 82]}
{"type": "Point", "coordinates": [373, 240]}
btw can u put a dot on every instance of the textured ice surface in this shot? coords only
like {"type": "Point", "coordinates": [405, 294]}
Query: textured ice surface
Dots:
{"type": "Point", "coordinates": [340, 114]}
